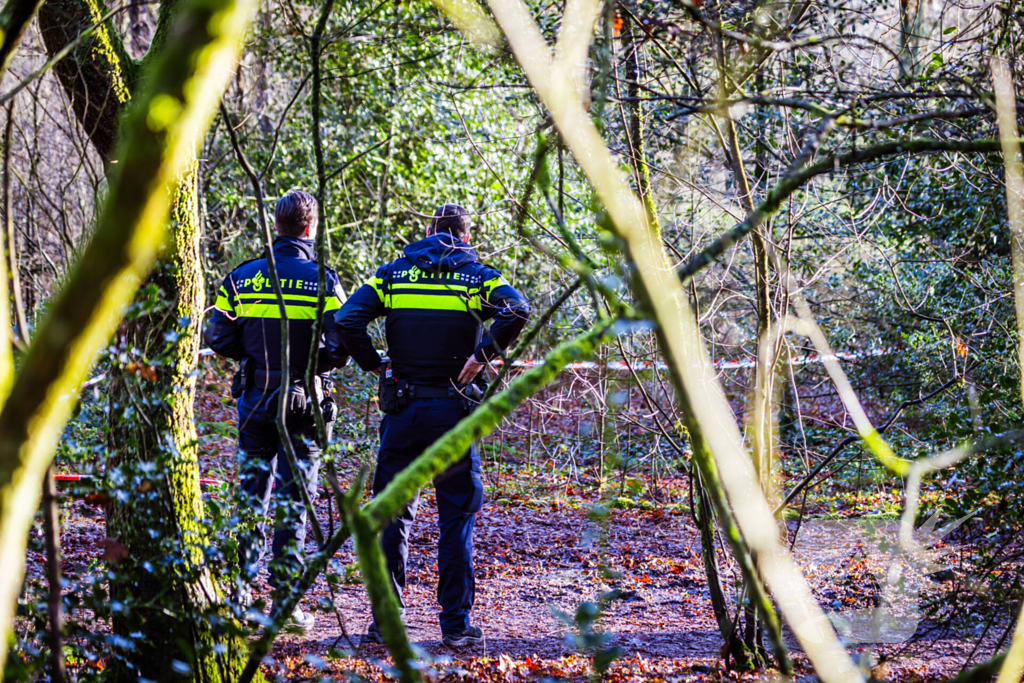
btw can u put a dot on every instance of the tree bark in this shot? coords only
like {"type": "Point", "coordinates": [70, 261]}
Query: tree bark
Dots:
{"type": "Point", "coordinates": [100, 78]}
{"type": "Point", "coordinates": [166, 435]}
{"type": "Point", "coordinates": [131, 226]}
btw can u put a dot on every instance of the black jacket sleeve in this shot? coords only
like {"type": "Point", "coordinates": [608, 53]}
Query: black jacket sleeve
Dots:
{"type": "Point", "coordinates": [510, 312]}
{"type": "Point", "coordinates": [223, 334]}
{"type": "Point", "coordinates": [351, 320]}
{"type": "Point", "coordinates": [336, 353]}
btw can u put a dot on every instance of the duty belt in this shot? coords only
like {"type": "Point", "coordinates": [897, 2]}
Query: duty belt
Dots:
{"type": "Point", "coordinates": [436, 391]}
{"type": "Point", "coordinates": [266, 379]}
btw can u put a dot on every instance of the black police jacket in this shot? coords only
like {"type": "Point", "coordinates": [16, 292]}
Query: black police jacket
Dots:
{"type": "Point", "coordinates": [435, 300]}
{"type": "Point", "coordinates": [246, 320]}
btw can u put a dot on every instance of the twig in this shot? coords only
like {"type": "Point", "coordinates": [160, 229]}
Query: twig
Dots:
{"type": "Point", "coordinates": [528, 338]}
{"type": "Point", "coordinates": [335, 172]}
{"type": "Point", "coordinates": [51, 524]}
{"type": "Point", "coordinates": [12, 244]}
{"type": "Point", "coordinates": [322, 243]}
{"type": "Point", "coordinates": [280, 124]}
{"type": "Point", "coordinates": [794, 180]}
{"type": "Point", "coordinates": [856, 437]}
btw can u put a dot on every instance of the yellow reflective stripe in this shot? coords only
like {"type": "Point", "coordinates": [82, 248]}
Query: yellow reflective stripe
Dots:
{"type": "Point", "coordinates": [223, 304]}
{"type": "Point", "coordinates": [273, 311]}
{"type": "Point", "coordinates": [494, 282]}
{"type": "Point", "coordinates": [331, 302]}
{"type": "Point", "coordinates": [422, 285]}
{"type": "Point", "coordinates": [376, 283]}
{"type": "Point", "coordinates": [433, 303]}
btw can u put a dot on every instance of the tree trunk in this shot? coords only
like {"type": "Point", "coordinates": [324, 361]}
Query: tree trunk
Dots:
{"type": "Point", "coordinates": [81, 319]}
{"type": "Point", "coordinates": [703, 517]}
{"type": "Point", "coordinates": [162, 431]}
{"type": "Point", "coordinates": [635, 73]}
{"type": "Point", "coordinates": [165, 329]}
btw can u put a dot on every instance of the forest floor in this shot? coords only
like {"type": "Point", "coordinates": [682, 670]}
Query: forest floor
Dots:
{"type": "Point", "coordinates": [538, 554]}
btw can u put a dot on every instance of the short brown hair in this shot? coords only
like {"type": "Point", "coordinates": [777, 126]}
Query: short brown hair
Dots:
{"type": "Point", "coordinates": [453, 219]}
{"type": "Point", "coordinates": [293, 212]}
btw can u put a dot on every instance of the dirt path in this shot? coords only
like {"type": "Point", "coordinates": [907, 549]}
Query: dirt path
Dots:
{"type": "Point", "coordinates": [533, 559]}
{"type": "Point", "coordinates": [538, 553]}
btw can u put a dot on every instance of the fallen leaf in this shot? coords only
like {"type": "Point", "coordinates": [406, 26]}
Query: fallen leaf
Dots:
{"type": "Point", "coordinates": [113, 550]}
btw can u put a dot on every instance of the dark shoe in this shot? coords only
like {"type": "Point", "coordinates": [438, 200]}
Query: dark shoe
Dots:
{"type": "Point", "coordinates": [473, 635]}
{"type": "Point", "coordinates": [372, 636]}
{"type": "Point", "coordinates": [299, 622]}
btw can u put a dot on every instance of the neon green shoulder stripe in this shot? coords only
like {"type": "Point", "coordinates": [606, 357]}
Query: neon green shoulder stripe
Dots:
{"type": "Point", "coordinates": [493, 283]}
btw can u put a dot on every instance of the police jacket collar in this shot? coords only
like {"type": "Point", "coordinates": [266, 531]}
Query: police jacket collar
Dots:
{"type": "Point", "coordinates": [294, 247]}
{"type": "Point", "coordinates": [440, 253]}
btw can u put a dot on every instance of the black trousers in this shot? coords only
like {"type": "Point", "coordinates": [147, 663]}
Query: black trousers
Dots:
{"type": "Point", "coordinates": [460, 493]}
{"type": "Point", "coordinates": [265, 471]}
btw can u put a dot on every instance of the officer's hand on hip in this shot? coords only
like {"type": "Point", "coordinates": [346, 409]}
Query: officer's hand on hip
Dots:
{"type": "Point", "coordinates": [470, 370]}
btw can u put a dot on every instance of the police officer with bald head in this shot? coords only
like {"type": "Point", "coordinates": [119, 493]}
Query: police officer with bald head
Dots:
{"type": "Point", "coordinates": [435, 300]}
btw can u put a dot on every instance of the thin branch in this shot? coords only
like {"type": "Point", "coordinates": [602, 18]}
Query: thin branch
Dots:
{"type": "Point", "coordinates": [280, 124]}
{"type": "Point", "coordinates": [51, 523]}
{"type": "Point", "coordinates": [282, 403]}
{"type": "Point", "coordinates": [856, 437]}
{"type": "Point", "coordinates": [13, 267]}
{"type": "Point", "coordinates": [333, 174]}
{"type": "Point", "coordinates": [795, 179]}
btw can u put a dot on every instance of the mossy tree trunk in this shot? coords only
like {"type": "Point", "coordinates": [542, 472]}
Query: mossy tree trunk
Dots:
{"type": "Point", "coordinates": [161, 338]}
{"type": "Point", "coordinates": [161, 128]}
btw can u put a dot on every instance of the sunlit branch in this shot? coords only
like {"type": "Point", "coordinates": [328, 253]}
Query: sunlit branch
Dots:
{"type": "Point", "coordinates": [697, 390]}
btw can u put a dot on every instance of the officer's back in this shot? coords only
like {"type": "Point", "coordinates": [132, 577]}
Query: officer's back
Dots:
{"type": "Point", "coordinates": [435, 300]}
{"type": "Point", "coordinates": [246, 324]}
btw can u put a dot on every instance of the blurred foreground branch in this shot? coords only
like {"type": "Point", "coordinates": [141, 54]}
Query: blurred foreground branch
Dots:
{"type": "Point", "coordinates": [160, 133]}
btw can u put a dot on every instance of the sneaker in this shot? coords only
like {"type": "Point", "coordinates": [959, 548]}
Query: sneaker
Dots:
{"type": "Point", "coordinates": [372, 635]}
{"type": "Point", "coordinates": [299, 621]}
{"type": "Point", "coordinates": [472, 635]}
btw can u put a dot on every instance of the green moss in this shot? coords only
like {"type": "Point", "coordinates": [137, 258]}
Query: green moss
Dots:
{"type": "Point", "coordinates": [103, 51]}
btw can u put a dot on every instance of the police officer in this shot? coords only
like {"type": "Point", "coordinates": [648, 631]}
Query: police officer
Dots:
{"type": "Point", "coordinates": [246, 326]}
{"type": "Point", "coordinates": [434, 300]}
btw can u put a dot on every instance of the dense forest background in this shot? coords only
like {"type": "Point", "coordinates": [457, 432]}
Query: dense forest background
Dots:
{"type": "Point", "coordinates": [825, 186]}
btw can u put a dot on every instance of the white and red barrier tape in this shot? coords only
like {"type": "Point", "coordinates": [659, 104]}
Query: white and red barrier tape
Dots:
{"type": "Point", "coordinates": [578, 365]}
{"type": "Point", "coordinates": [720, 364]}
{"type": "Point", "coordinates": [89, 477]}
{"type": "Point", "coordinates": [636, 365]}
